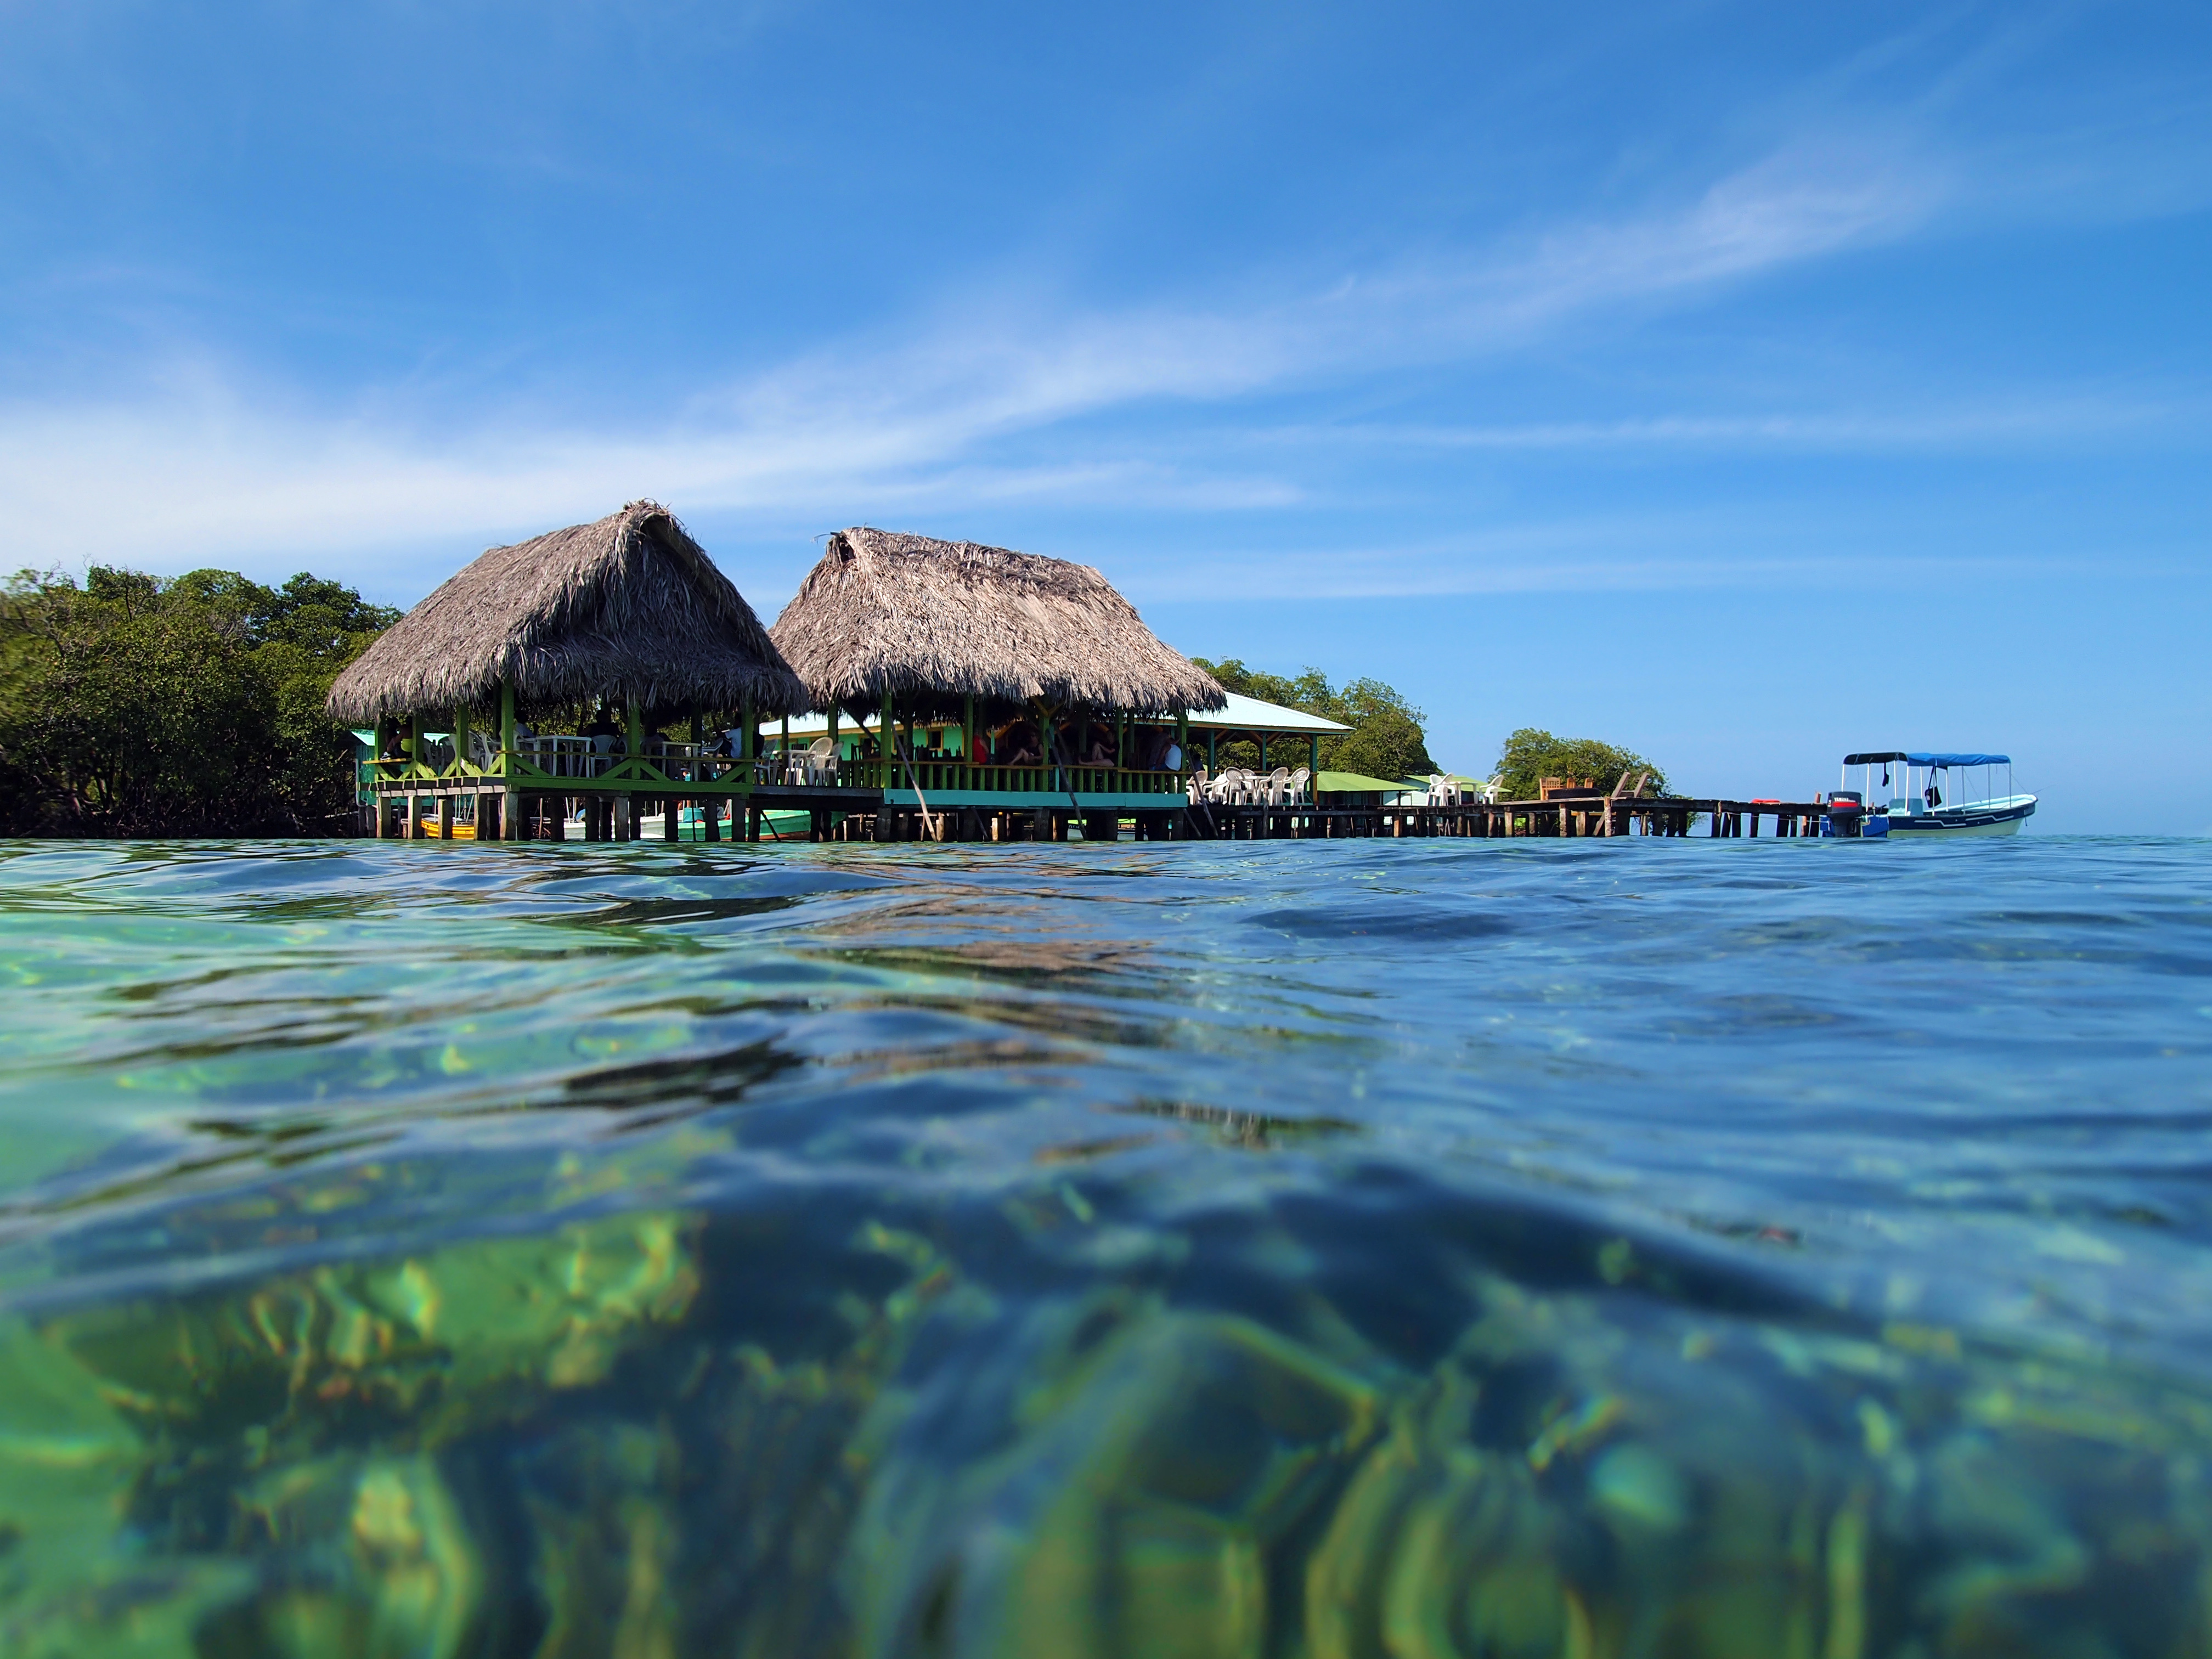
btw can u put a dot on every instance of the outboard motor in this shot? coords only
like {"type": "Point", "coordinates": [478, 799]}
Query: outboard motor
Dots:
{"type": "Point", "coordinates": [1846, 814]}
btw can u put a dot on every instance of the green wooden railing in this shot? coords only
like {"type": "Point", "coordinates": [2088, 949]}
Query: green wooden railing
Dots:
{"type": "Point", "coordinates": [958, 774]}
{"type": "Point", "coordinates": [571, 764]}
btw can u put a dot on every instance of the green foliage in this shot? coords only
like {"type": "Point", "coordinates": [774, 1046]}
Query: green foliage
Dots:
{"type": "Point", "coordinates": [1531, 756]}
{"type": "Point", "coordinates": [134, 706]}
{"type": "Point", "coordinates": [1386, 740]}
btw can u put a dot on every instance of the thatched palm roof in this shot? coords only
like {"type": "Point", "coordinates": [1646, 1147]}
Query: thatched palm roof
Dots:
{"type": "Point", "coordinates": [912, 615]}
{"type": "Point", "coordinates": [630, 607]}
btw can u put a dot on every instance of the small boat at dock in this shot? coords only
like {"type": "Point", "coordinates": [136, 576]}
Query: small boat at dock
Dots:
{"type": "Point", "coordinates": [1911, 797]}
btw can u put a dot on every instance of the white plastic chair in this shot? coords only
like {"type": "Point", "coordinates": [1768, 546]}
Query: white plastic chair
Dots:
{"type": "Point", "coordinates": [820, 761]}
{"type": "Point", "coordinates": [1296, 792]}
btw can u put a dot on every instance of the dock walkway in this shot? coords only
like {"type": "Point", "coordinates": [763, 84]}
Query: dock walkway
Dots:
{"type": "Point", "coordinates": [1574, 816]}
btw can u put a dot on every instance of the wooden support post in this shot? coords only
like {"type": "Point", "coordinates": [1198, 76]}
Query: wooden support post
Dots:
{"type": "Point", "coordinates": [445, 817]}
{"type": "Point", "coordinates": [510, 801]}
{"type": "Point", "coordinates": [672, 818]}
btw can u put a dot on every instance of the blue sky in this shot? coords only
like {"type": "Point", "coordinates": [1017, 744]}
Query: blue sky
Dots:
{"type": "Point", "coordinates": [1740, 383]}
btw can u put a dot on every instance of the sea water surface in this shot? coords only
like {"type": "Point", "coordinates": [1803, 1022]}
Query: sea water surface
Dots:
{"type": "Point", "coordinates": [1781, 1248]}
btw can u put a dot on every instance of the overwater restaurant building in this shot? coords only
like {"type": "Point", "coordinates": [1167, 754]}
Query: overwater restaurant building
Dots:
{"type": "Point", "coordinates": [964, 692]}
{"type": "Point", "coordinates": [621, 627]}
{"type": "Point", "coordinates": [1020, 693]}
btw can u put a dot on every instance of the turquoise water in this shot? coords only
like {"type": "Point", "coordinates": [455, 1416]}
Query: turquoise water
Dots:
{"type": "Point", "coordinates": [1342, 1249]}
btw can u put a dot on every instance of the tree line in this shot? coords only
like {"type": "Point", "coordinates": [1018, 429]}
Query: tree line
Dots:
{"type": "Point", "coordinates": [144, 705]}
{"type": "Point", "coordinates": [138, 705]}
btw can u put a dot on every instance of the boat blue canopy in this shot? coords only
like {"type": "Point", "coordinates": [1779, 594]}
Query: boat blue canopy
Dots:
{"type": "Point", "coordinates": [1917, 759]}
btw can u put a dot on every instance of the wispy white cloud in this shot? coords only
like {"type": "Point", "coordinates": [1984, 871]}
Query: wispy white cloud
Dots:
{"type": "Point", "coordinates": [1593, 553]}
{"type": "Point", "coordinates": [2023, 422]}
{"type": "Point", "coordinates": [209, 463]}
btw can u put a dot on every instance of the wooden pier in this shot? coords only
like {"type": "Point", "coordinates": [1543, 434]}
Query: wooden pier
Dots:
{"type": "Point", "coordinates": [861, 814]}
{"type": "Point", "coordinates": [1574, 816]}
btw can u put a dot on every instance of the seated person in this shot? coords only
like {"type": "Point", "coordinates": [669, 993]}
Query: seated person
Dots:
{"type": "Point", "coordinates": [1017, 745]}
{"type": "Point", "coordinates": [1099, 750]}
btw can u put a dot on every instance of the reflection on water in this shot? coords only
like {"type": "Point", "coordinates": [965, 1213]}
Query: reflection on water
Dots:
{"type": "Point", "coordinates": [1349, 1250]}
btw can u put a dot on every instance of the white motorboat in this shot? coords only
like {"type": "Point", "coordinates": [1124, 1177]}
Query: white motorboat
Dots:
{"type": "Point", "coordinates": [1911, 797]}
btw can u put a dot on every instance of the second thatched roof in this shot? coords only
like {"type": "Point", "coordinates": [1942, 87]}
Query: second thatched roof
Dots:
{"type": "Point", "coordinates": [629, 608]}
{"type": "Point", "coordinates": [912, 615]}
